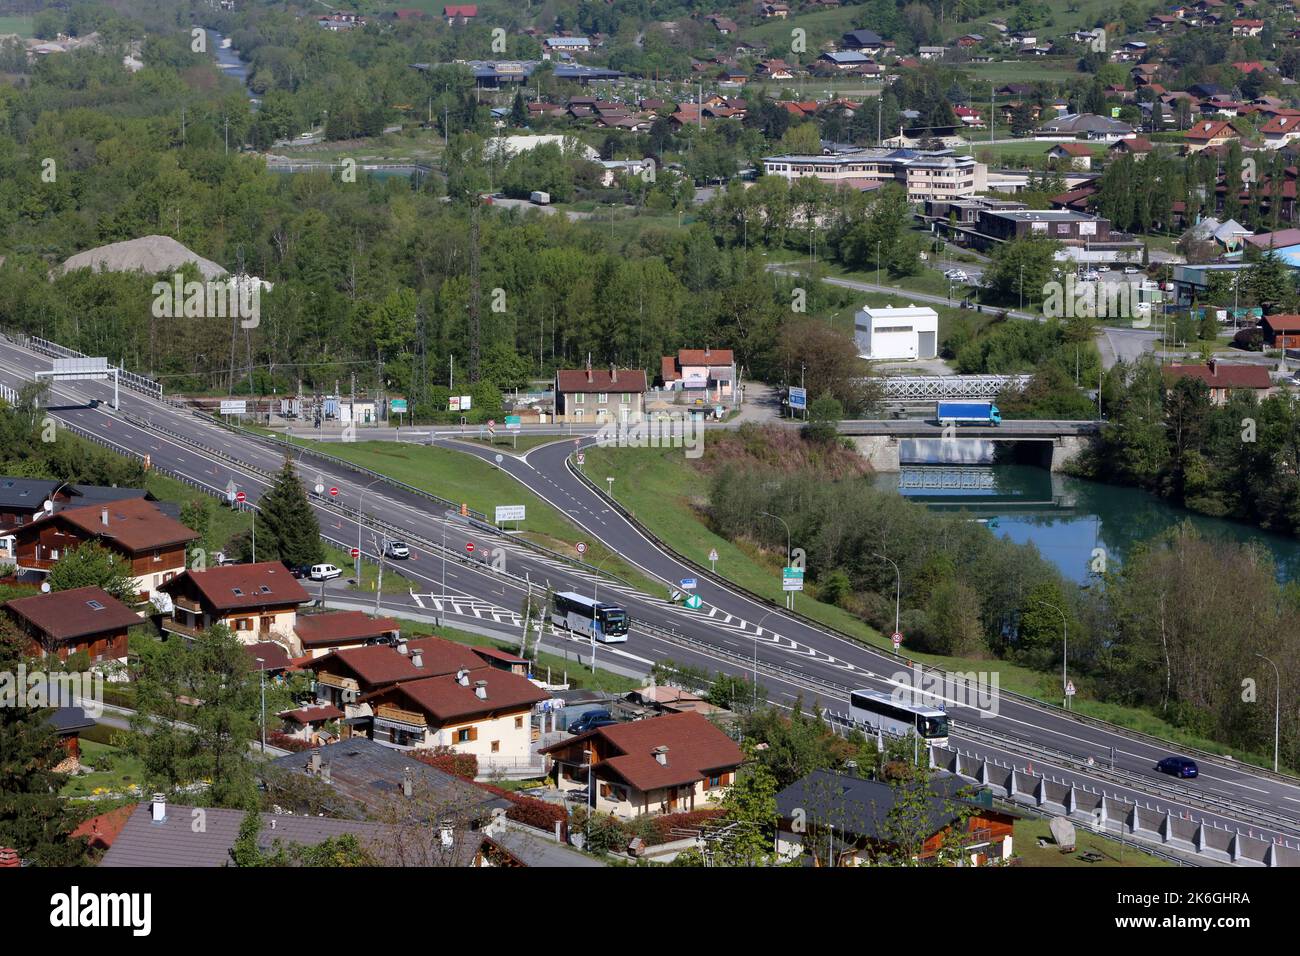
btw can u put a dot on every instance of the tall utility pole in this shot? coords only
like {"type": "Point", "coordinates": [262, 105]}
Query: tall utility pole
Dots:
{"type": "Point", "coordinates": [474, 325]}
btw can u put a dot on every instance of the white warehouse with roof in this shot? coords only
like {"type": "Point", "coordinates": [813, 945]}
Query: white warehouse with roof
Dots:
{"type": "Point", "coordinates": [887, 332]}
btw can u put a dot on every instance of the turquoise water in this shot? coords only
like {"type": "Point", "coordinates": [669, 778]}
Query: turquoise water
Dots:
{"type": "Point", "coordinates": [1068, 518]}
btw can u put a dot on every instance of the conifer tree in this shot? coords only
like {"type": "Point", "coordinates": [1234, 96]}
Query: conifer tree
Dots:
{"type": "Point", "coordinates": [287, 529]}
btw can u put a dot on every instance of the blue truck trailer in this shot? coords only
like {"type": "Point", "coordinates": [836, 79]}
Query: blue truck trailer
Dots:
{"type": "Point", "coordinates": [967, 413]}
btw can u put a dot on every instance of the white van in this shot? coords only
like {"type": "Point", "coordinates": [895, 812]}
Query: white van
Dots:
{"type": "Point", "coordinates": [324, 572]}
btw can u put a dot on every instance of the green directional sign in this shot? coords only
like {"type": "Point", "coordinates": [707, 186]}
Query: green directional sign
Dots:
{"type": "Point", "coordinates": [694, 602]}
{"type": "Point", "coordinates": [398, 406]}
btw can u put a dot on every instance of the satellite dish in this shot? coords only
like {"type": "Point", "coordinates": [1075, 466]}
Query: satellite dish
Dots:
{"type": "Point", "coordinates": [45, 587]}
{"type": "Point", "coordinates": [48, 506]}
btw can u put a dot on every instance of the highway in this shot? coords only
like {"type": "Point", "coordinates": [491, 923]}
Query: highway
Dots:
{"type": "Point", "coordinates": [731, 631]}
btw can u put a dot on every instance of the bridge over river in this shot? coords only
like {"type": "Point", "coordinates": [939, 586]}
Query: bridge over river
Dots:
{"type": "Point", "coordinates": [880, 440]}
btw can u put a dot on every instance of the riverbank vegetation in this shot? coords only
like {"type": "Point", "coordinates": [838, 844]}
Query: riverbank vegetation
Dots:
{"type": "Point", "coordinates": [1167, 642]}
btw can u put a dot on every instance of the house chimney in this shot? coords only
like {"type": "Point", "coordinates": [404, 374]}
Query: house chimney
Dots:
{"type": "Point", "coordinates": [315, 760]}
{"type": "Point", "coordinates": [480, 689]}
{"type": "Point", "coordinates": [159, 807]}
{"type": "Point", "coordinates": [103, 517]}
{"type": "Point", "coordinates": [613, 373]}
{"type": "Point", "coordinates": [401, 647]}
{"type": "Point", "coordinates": [447, 834]}
{"type": "Point", "coordinates": [661, 755]}
{"type": "Point", "coordinates": [408, 784]}
{"type": "Point", "coordinates": [325, 772]}
{"type": "Point", "coordinates": [417, 660]}
{"type": "Point", "coordinates": [462, 677]}
{"type": "Point", "coordinates": [9, 856]}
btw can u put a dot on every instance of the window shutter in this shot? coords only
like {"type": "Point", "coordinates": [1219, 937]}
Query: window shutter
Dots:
{"type": "Point", "coordinates": [473, 733]}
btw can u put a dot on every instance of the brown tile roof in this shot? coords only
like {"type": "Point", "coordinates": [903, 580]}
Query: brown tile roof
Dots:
{"type": "Point", "coordinates": [1137, 144]}
{"type": "Point", "coordinates": [67, 615]}
{"type": "Point", "coordinates": [716, 357]}
{"type": "Point", "coordinates": [1283, 323]}
{"type": "Point", "coordinates": [382, 664]}
{"type": "Point", "coordinates": [694, 745]}
{"type": "Point", "coordinates": [100, 831]}
{"type": "Point", "coordinates": [1210, 129]}
{"type": "Point", "coordinates": [506, 657]}
{"type": "Point", "coordinates": [1219, 375]}
{"type": "Point", "coordinates": [569, 381]}
{"type": "Point", "coordinates": [312, 713]}
{"type": "Point", "coordinates": [445, 700]}
{"type": "Point", "coordinates": [274, 656]}
{"type": "Point", "coordinates": [258, 585]}
{"type": "Point", "coordinates": [668, 369]}
{"type": "Point", "coordinates": [1275, 240]}
{"type": "Point", "coordinates": [338, 627]}
{"type": "Point", "coordinates": [1074, 149]}
{"type": "Point", "coordinates": [134, 523]}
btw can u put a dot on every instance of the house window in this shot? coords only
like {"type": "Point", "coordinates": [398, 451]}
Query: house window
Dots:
{"type": "Point", "coordinates": [519, 723]}
{"type": "Point", "coordinates": [602, 398]}
{"type": "Point", "coordinates": [715, 781]}
{"type": "Point", "coordinates": [466, 735]}
{"type": "Point", "coordinates": [625, 398]}
{"type": "Point", "coordinates": [577, 414]}
{"type": "Point", "coordinates": [496, 746]}
{"type": "Point", "coordinates": [579, 398]}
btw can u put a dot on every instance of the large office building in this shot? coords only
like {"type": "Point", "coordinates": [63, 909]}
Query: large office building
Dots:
{"type": "Point", "coordinates": [926, 174]}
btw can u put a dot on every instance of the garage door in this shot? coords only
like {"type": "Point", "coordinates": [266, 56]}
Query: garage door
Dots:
{"type": "Point", "coordinates": [926, 345]}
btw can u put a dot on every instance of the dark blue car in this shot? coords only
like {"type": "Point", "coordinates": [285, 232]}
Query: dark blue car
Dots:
{"type": "Point", "coordinates": [1178, 767]}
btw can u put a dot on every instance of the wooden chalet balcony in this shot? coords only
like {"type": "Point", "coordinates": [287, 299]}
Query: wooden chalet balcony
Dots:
{"type": "Point", "coordinates": [399, 716]}
{"type": "Point", "coordinates": [332, 680]}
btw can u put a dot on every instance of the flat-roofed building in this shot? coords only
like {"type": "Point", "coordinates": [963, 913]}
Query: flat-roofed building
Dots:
{"type": "Point", "coordinates": [886, 332]}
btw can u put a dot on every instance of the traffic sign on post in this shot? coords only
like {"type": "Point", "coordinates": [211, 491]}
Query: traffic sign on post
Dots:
{"type": "Point", "coordinates": [713, 559]}
{"type": "Point", "coordinates": [792, 579]}
{"type": "Point", "coordinates": [582, 458]}
{"type": "Point", "coordinates": [897, 638]}
{"type": "Point", "coordinates": [241, 497]}
{"type": "Point", "coordinates": [356, 552]}
{"type": "Point", "coordinates": [334, 492]}
{"type": "Point", "coordinates": [469, 547]}
{"type": "Point", "coordinates": [688, 584]}
{"type": "Point", "coordinates": [693, 601]}
{"type": "Point", "coordinates": [582, 547]}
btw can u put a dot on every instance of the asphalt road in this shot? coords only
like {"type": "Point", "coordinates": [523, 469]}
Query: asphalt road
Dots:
{"type": "Point", "coordinates": [730, 632]}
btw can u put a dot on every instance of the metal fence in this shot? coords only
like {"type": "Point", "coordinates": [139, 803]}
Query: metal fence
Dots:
{"type": "Point", "coordinates": [131, 380]}
{"type": "Point", "coordinates": [935, 387]}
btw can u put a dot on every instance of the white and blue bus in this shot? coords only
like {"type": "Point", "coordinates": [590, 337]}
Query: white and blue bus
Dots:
{"type": "Point", "coordinates": [580, 614]}
{"type": "Point", "coordinates": [878, 711]}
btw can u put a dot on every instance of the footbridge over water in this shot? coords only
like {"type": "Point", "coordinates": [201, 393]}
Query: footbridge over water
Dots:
{"type": "Point", "coordinates": [1057, 442]}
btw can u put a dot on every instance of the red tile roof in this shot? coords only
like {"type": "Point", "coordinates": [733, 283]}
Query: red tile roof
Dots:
{"type": "Point", "coordinates": [339, 627]}
{"type": "Point", "coordinates": [568, 381]}
{"type": "Point", "coordinates": [505, 657]}
{"type": "Point", "coordinates": [68, 615]}
{"type": "Point", "coordinates": [1219, 375]}
{"type": "Point", "coordinates": [233, 587]}
{"type": "Point", "coordinates": [715, 357]}
{"type": "Point", "coordinates": [445, 700]}
{"type": "Point", "coordinates": [463, 10]}
{"type": "Point", "coordinates": [1207, 130]}
{"type": "Point", "coordinates": [100, 831]}
{"type": "Point", "coordinates": [274, 656]}
{"type": "Point", "coordinates": [382, 664]}
{"type": "Point", "coordinates": [695, 747]}
{"type": "Point", "coordinates": [1074, 149]}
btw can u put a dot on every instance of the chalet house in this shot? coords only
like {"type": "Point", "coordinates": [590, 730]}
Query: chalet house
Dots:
{"type": "Point", "coordinates": [258, 602]}
{"type": "Point", "coordinates": [459, 13]}
{"type": "Point", "coordinates": [838, 820]}
{"type": "Point", "coordinates": [485, 712]}
{"type": "Point", "coordinates": [970, 118]}
{"type": "Point", "coordinates": [151, 543]}
{"type": "Point", "coordinates": [1224, 379]}
{"type": "Point", "coordinates": [1282, 129]}
{"type": "Point", "coordinates": [864, 41]}
{"type": "Point", "coordinates": [587, 395]}
{"type": "Point", "coordinates": [1137, 148]}
{"type": "Point", "coordinates": [308, 723]}
{"type": "Point", "coordinates": [775, 69]}
{"type": "Point", "coordinates": [1247, 28]}
{"type": "Point", "coordinates": [668, 764]}
{"type": "Point", "coordinates": [769, 11]}
{"type": "Point", "coordinates": [712, 371]}
{"type": "Point", "coordinates": [320, 634]}
{"type": "Point", "coordinates": [344, 676]}
{"type": "Point", "coordinates": [1281, 331]}
{"type": "Point", "coordinates": [1071, 155]}
{"type": "Point", "coordinates": [1209, 133]}
{"type": "Point", "coordinates": [81, 620]}
{"type": "Point", "coordinates": [21, 499]}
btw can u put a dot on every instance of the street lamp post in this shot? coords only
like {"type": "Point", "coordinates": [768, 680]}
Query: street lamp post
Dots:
{"type": "Point", "coordinates": [1065, 653]}
{"type": "Point", "coordinates": [898, 588]}
{"type": "Point", "coordinates": [767, 514]}
{"type": "Point", "coordinates": [757, 629]}
{"type": "Point", "coordinates": [595, 591]}
{"type": "Point", "coordinates": [361, 501]}
{"type": "Point", "coordinates": [1277, 708]}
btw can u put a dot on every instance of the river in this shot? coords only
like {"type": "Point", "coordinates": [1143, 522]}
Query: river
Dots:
{"type": "Point", "coordinates": [228, 60]}
{"type": "Point", "coordinates": [1068, 519]}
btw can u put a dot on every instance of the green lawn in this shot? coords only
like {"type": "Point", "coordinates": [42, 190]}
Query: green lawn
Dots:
{"type": "Point", "coordinates": [1028, 831]}
{"type": "Point", "coordinates": [120, 771]}
{"type": "Point", "coordinates": [482, 486]}
{"type": "Point", "coordinates": [17, 24]}
{"type": "Point", "coordinates": [518, 444]}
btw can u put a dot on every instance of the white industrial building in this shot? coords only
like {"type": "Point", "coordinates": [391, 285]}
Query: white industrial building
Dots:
{"type": "Point", "coordinates": [885, 332]}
